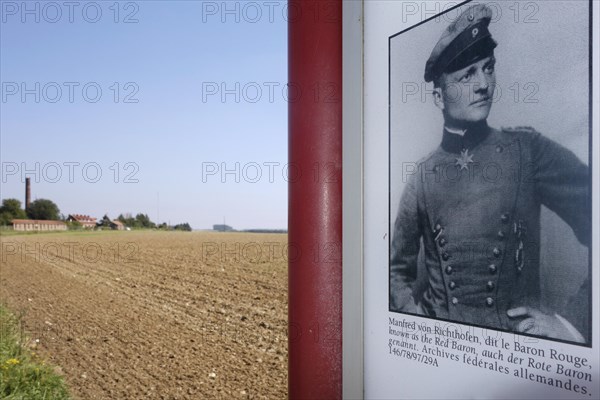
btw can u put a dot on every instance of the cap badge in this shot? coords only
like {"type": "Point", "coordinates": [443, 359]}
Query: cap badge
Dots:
{"type": "Point", "coordinates": [475, 32]}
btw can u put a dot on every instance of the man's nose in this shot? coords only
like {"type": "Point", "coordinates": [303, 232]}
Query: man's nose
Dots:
{"type": "Point", "coordinates": [482, 82]}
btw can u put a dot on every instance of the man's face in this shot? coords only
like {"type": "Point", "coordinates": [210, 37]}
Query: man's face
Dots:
{"type": "Point", "coordinates": [466, 95]}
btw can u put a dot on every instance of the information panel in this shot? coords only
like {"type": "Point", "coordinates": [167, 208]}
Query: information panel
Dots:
{"type": "Point", "coordinates": [481, 271]}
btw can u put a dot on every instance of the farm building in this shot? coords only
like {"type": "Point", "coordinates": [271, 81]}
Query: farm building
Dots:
{"type": "Point", "coordinates": [85, 220]}
{"type": "Point", "coordinates": [117, 225]}
{"type": "Point", "coordinates": [38, 225]}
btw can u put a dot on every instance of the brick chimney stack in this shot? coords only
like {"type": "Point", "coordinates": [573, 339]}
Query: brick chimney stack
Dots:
{"type": "Point", "coordinates": [27, 193]}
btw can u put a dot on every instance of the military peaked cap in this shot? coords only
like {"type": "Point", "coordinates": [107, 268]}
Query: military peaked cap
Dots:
{"type": "Point", "coordinates": [465, 41]}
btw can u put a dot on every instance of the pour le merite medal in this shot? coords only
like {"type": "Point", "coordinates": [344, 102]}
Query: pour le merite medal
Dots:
{"type": "Point", "coordinates": [464, 160]}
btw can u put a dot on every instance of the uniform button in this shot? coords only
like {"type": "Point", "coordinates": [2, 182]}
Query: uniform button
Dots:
{"type": "Point", "coordinates": [496, 252]}
{"type": "Point", "coordinates": [499, 149]}
{"type": "Point", "coordinates": [454, 301]}
{"type": "Point", "coordinates": [490, 285]}
{"type": "Point", "coordinates": [442, 242]}
{"type": "Point", "coordinates": [489, 302]}
{"type": "Point", "coordinates": [452, 285]}
{"type": "Point", "coordinates": [445, 256]}
{"type": "Point", "coordinates": [501, 235]}
{"type": "Point", "coordinates": [504, 217]}
{"type": "Point", "coordinates": [449, 269]}
{"type": "Point", "coordinates": [492, 268]}
{"type": "Point", "coordinates": [438, 227]}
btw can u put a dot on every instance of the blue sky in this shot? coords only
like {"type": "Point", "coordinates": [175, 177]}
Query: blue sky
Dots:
{"type": "Point", "coordinates": [159, 119]}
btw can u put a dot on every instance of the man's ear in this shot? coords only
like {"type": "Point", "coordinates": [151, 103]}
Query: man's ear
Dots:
{"type": "Point", "coordinates": [438, 97]}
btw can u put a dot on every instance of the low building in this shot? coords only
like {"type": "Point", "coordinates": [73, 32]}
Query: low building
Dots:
{"type": "Point", "coordinates": [117, 225]}
{"type": "Point", "coordinates": [86, 221]}
{"type": "Point", "coordinates": [222, 228]}
{"type": "Point", "coordinates": [38, 225]}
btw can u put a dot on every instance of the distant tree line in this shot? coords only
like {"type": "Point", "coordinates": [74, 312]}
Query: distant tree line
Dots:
{"type": "Point", "coordinates": [43, 209]}
{"type": "Point", "coordinates": [183, 227]}
{"type": "Point", "coordinates": [142, 221]}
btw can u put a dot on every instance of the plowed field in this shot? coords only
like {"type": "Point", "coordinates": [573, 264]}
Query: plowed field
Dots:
{"type": "Point", "coordinates": [154, 315]}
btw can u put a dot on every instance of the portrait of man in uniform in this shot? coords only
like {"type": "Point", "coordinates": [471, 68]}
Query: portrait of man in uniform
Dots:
{"type": "Point", "coordinates": [467, 230]}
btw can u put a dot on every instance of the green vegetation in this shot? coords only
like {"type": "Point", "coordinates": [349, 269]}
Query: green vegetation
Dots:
{"type": "Point", "coordinates": [43, 209]}
{"type": "Point", "coordinates": [140, 221]}
{"type": "Point", "coordinates": [183, 227]}
{"type": "Point", "coordinates": [23, 376]}
{"type": "Point", "coordinates": [104, 224]}
{"type": "Point", "coordinates": [11, 209]}
{"type": "Point", "coordinates": [74, 225]}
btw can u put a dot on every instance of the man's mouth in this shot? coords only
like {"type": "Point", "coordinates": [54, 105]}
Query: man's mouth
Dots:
{"type": "Point", "coordinates": [482, 101]}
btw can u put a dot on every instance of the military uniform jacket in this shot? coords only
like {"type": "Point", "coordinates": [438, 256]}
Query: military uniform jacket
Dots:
{"type": "Point", "coordinates": [474, 206]}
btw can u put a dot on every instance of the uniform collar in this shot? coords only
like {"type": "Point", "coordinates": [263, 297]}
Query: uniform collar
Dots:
{"type": "Point", "coordinates": [455, 143]}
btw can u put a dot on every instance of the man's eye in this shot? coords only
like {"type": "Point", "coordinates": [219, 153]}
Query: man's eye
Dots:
{"type": "Point", "coordinates": [465, 77]}
{"type": "Point", "coordinates": [489, 69]}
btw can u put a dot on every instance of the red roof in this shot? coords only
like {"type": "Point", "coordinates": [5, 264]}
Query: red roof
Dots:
{"type": "Point", "coordinates": [82, 218]}
{"type": "Point", "coordinates": [36, 221]}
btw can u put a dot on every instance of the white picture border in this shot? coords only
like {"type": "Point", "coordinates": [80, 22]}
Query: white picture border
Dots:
{"type": "Point", "coordinates": [386, 377]}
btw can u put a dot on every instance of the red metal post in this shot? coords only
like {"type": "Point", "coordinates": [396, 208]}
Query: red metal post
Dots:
{"type": "Point", "coordinates": [315, 199]}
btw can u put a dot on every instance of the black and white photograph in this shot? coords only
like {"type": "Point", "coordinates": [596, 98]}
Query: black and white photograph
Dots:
{"type": "Point", "coordinates": [490, 189]}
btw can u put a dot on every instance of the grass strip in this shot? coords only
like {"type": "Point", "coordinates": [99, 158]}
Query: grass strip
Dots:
{"type": "Point", "coordinates": [23, 375]}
